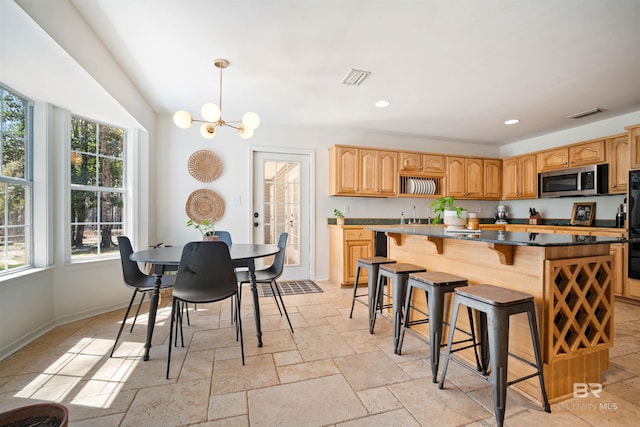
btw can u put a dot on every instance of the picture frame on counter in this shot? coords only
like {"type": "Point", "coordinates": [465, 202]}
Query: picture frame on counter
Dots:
{"type": "Point", "coordinates": [583, 213]}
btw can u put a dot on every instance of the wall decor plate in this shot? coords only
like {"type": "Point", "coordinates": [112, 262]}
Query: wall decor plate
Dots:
{"type": "Point", "coordinates": [204, 204]}
{"type": "Point", "coordinates": [205, 165]}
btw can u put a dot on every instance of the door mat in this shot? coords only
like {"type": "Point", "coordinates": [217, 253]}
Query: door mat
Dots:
{"type": "Point", "coordinates": [290, 288]}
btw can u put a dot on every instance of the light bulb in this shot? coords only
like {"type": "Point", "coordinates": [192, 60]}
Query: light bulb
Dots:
{"type": "Point", "coordinates": [245, 132]}
{"type": "Point", "coordinates": [210, 112]}
{"type": "Point", "coordinates": [182, 119]}
{"type": "Point", "coordinates": [208, 130]}
{"type": "Point", "coordinates": [250, 120]}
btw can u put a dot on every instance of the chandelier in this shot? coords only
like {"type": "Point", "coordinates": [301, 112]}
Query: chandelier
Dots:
{"type": "Point", "coordinates": [212, 115]}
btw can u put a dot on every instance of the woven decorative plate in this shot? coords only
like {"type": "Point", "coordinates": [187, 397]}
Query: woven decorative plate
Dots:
{"type": "Point", "coordinates": [204, 204]}
{"type": "Point", "coordinates": [205, 165]}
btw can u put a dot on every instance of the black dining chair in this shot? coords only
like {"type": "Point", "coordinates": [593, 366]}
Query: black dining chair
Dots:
{"type": "Point", "coordinates": [269, 275]}
{"type": "Point", "coordinates": [136, 280]}
{"type": "Point", "coordinates": [205, 275]}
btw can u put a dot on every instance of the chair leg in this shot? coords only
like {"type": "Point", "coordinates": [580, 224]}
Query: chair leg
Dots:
{"type": "Point", "coordinates": [536, 350]}
{"type": "Point", "coordinates": [275, 284]}
{"type": "Point", "coordinates": [372, 321]}
{"type": "Point", "coordinates": [239, 327]}
{"type": "Point", "coordinates": [124, 320]}
{"type": "Point", "coordinates": [173, 314]}
{"type": "Point", "coordinates": [275, 297]}
{"type": "Point", "coordinates": [137, 311]}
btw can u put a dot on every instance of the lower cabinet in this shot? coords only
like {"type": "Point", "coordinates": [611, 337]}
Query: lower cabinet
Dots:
{"type": "Point", "coordinates": [346, 245]}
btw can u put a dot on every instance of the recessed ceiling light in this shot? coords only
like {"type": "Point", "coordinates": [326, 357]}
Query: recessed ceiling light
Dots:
{"type": "Point", "coordinates": [511, 122]}
{"type": "Point", "coordinates": [382, 104]}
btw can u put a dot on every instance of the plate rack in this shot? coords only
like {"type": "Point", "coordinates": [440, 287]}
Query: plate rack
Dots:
{"type": "Point", "coordinates": [421, 186]}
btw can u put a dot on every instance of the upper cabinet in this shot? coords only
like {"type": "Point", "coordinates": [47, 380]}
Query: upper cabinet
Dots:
{"type": "Point", "coordinates": [465, 178]}
{"type": "Point", "coordinates": [618, 151]}
{"type": "Point", "coordinates": [378, 173]}
{"type": "Point", "coordinates": [520, 177]}
{"type": "Point", "coordinates": [634, 143]}
{"type": "Point", "coordinates": [421, 163]}
{"type": "Point", "coordinates": [492, 179]}
{"type": "Point", "coordinates": [585, 153]}
{"type": "Point", "coordinates": [344, 171]}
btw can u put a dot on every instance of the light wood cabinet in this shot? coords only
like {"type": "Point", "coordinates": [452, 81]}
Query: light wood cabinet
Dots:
{"type": "Point", "coordinates": [492, 179]}
{"type": "Point", "coordinates": [378, 173]}
{"type": "Point", "coordinates": [346, 245]}
{"type": "Point", "coordinates": [619, 268]}
{"type": "Point", "coordinates": [634, 143]}
{"type": "Point", "coordinates": [434, 164]}
{"type": "Point", "coordinates": [585, 153]}
{"type": "Point", "coordinates": [618, 152]}
{"type": "Point", "coordinates": [465, 178]}
{"type": "Point", "coordinates": [410, 162]}
{"type": "Point", "coordinates": [344, 171]}
{"type": "Point", "coordinates": [520, 177]}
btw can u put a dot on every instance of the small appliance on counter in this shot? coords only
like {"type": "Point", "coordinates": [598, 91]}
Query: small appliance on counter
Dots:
{"type": "Point", "coordinates": [501, 215]}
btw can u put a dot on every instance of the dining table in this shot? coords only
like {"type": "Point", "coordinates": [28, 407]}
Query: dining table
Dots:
{"type": "Point", "coordinates": [168, 257]}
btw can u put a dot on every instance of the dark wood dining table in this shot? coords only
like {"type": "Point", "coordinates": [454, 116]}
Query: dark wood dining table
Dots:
{"type": "Point", "coordinates": [163, 258]}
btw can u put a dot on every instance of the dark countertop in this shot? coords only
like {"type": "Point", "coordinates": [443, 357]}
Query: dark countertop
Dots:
{"type": "Point", "coordinates": [501, 237]}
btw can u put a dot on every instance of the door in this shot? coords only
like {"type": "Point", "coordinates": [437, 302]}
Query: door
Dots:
{"type": "Point", "coordinates": [281, 203]}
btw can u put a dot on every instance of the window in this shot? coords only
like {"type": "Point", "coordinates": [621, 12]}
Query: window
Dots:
{"type": "Point", "coordinates": [15, 182]}
{"type": "Point", "coordinates": [97, 188]}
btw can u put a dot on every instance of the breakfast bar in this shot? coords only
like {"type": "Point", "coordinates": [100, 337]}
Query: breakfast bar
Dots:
{"type": "Point", "coordinates": [570, 277]}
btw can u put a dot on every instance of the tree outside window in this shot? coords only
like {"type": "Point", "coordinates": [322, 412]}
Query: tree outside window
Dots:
{"type": "Point", "coordinates": [15, 182]}
{"type": "Point", "coordinates": [97, 188]}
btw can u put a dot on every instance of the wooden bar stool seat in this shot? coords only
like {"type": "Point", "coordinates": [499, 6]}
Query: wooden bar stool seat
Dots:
{"type": "Point", "coordinates": [435, 285]}
{"type": "Point", "coordinates": [372, 265]}
{"type": "Point", "coordinates": [497, 304]}
{"type": "Point", "coordinates": [399, 275]}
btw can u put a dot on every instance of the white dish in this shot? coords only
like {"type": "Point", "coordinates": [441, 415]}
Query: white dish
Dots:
{"type": "Point", "coordinates": [411, 186]}
{"type": "Point", "coordinates": [433, 187]}
{"type": "Point", "coordinates": [423, 186]}
{"type": "Point", "coordinates": [430, 186]}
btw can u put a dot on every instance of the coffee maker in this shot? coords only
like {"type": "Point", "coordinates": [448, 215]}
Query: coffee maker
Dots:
{"type": "Point", "coordinates": [501, 215]}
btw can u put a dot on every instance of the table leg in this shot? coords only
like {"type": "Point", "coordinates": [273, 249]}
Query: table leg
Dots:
{"type": "Point", "coordinates": [153, 309]}
{"type": "Point", "coordinates": [256, 304]}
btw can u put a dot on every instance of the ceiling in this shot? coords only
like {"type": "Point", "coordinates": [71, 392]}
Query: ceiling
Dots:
{"type": "Point", "coordinates": [453, 70]}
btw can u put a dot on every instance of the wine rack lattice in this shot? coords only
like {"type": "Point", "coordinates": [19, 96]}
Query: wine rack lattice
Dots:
{"type": "Point", "coordinates": [581, 316]}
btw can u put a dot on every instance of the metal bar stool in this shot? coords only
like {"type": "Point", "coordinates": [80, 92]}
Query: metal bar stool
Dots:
{"type": "Point", "coordinates": [498, 304]}
{"type": "Point", "coordinates": [435, 285]}
{"type": "Point", "coordinates": [399, 274]}
{"type": "Point", "coordinates": [372, 265]}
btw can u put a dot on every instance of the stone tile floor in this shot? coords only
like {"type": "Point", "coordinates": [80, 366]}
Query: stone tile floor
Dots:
{"type": "Point", "coordinates": [331, 371]}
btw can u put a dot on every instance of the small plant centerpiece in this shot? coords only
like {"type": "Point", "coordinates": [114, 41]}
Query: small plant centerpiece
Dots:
{"type": "Point", "coordinates": [455, 217]}
{"type": "Point", "coordinates": [339, 217]}
{"type": "Point", "coordinates": [206, 227]}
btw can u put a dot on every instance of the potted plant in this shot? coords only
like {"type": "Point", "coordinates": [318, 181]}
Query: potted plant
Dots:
{"type": "Point", "coordinates": [206, 227]}
{"type": "Point", "coordinates": [45, 414]}
{"type": "Point", "coordinates": [339, 217]}
{"type": "Point", "coordinates": [455, 217]}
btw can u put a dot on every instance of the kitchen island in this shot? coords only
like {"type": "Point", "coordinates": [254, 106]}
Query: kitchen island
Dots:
{"type": "Point", "coordinates": [569, 276]}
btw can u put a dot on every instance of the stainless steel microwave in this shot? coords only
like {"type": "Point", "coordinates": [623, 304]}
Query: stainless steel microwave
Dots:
{"type": "Point", "coordinates": [584, 181]}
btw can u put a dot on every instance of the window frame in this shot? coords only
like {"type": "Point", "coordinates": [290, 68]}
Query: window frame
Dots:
{"type": "Point", "coordinates": [99, 190]}
{"type": "Point", "coordinates": [28, 183]}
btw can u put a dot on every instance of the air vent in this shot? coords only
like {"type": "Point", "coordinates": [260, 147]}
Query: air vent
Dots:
{"type": "Point", "coordinates": [584, 113]}
{"type": "Point", "coordinates": [355, 77]}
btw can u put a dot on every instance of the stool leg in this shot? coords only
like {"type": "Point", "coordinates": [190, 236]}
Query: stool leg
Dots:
{"type": "Point", "coordinates": [435, 302]}
{"type": "Point", "coordinates": [498, 323]}
{"type": "Point", "coordinates": [407, 313]}
{"type": "Point", "coordinates": [536, 350]}
{"type": "Point", "coordinates": [355, 290]}
{"type": "Point", "coordinates": [399, 293]}
{"type": "Point", "coordinates": [372, 322]}
{"type": "Point", "coordinates": [452, 328]}
{"type": "Point", "coordinates": [371, 285]}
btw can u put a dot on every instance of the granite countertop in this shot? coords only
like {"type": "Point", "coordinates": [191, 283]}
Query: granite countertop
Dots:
{"type": "Point", "coordinates": [500, 237]}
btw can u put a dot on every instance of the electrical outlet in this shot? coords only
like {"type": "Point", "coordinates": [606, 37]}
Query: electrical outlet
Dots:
{"type": "Point", "coordinates": [346, 209]}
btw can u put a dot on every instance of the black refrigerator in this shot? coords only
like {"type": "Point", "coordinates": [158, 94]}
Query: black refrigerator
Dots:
{"type": "Point", "coordinates": [633, 218]}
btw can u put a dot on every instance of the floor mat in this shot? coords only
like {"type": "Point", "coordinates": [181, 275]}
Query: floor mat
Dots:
{"type": "Point", "coordinates": [290, 288]}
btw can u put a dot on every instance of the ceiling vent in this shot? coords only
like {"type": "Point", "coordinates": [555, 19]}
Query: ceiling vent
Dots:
{"type": "Point", "coordinates": [584, 113]}
{"type": "Point", "coordinates": [355, 77]}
